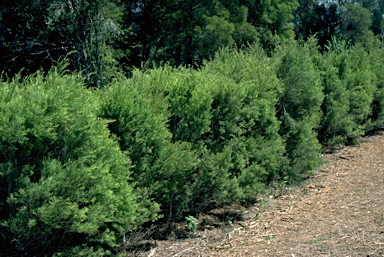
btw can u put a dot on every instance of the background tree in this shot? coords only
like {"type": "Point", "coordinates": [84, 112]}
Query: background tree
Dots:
{"type": "Point", "coordinates": [353, 21]}
{"type": "Point", "coordinates": [273, 19]}
{"type": "Point", "coordinates": [356, 22]}
{"type": "Point", "coordinates": [378, 19]}
{"type": "Point", "coordinates": [181, 32]}
{"type": "Point", "coordinates": [22, 44]}
{"type": "Point", "coordinates": [37, 33]}
{"type": "Point", "coordinates": [320, 18]}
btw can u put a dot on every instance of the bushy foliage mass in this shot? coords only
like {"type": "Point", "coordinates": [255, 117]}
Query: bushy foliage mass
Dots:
{"type": "Point", "coordinates": [80, 168]}
{"type": "Point", "coordinates": [65, 183]}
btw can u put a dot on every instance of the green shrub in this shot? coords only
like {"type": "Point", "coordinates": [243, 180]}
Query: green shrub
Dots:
{"type": "Point", "coordinates": [377, 109]}
{"type": "Point", "coordinates": [299, 104]}
{"type": "Point", "coordinates": [350, 87]}
{"type": "Point", "coordinates": [65, 182]}
{"type": "Point", "coordinates": [213, 185]}
{"type": "Point", "coordinates": [337, 124]}
{"type": "Point", "coordinates": [361, 82]}
{"type": "Point", "coordinates": [189, 99]}
{"type": "Point", "coordinates": [225, 113]}
{"type": "Point", "coordinates": [243, 126]}
{"type": "Point", "coordinates": [162, 170]}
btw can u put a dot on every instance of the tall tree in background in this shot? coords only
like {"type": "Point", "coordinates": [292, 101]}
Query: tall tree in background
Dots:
{"type": "Point", "coordinates": [274, 19]}
{"type": "Point", "coordinates": [354, 21]}
{"type": "Point", "coordinates": [376, 10]}
{"type": "Point", "coordinates": [322, 19]}
{"type": "Point", "coordinates": [378, 19]}
{"type": "Point", "coordinates": [36, 33]}
{"type": "Point", "coordinates": [181, 32]}
{"type": "Point", "coordinates": [87, 27]}
{"type": "Point", "coordinates": [133, 32]}
{"type": "Point", "coordinates": [187, 32]}
{"type": "Point", "coordinates": [106, 34]}
{"type": "Point", "coordinates": [22, 25]}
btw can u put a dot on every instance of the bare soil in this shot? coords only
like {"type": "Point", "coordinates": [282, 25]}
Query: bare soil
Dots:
{"type": "Point", "coordinates": [337, 212]}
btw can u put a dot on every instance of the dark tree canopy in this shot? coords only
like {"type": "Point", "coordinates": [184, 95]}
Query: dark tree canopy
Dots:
{"type": "Point", "coordinates": [105, 36]}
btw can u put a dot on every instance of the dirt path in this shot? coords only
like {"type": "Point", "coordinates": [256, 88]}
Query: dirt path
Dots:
{"type": "Point", "coordinates": [339, 213]}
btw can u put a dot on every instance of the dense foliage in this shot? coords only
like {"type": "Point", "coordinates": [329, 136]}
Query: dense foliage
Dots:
{"type": "Point", "coordinates": [224, 105]}
{"type": "Point", "coordinates": [64, 180]}
{"type": "Point", "coordinates": [299, 105]}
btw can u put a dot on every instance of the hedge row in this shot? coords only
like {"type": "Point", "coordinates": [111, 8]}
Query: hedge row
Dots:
{"type": "Point", "coordinates": [81, 168]}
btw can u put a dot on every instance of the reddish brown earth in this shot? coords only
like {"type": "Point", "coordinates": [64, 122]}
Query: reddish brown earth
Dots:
{"type": "Point", "coordinates": [338, 212]}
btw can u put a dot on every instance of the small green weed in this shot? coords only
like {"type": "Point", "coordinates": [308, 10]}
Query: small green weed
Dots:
{"type": "Point", "coordinates": [283, 185]}
{"type": "Point", "coordinates": [191, 223]}
{"type": "Point", "coordinates": [263, 202]}
{"type": "Point", "coordinates": [322, 248]}
{"type": "Point", "coordinates": [229, 219]}
{"type": "Point", "coordinates": [270, 237]}
{"type": "Point", "coordinates": [314, 241]}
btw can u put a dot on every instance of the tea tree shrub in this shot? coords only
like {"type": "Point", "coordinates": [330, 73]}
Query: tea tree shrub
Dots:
{"type": "Point", "coordinates": [65, 184]}
{"type": "Point", "coordinates": [162, 170]}
{"type": "Point", "coordinates": [361, 82]}
{"type": "Point", "coordinates": [337, 124]}
{"type": "Point", "coordinates": [350, 95]}
{"type": "Point", "coordinates": [376, 56]}
{"type": "Point", "coordinates": [299, 104]}
{"type": "Point", "coordinates": [188, 94]}
{"type": "Point", "coordinates": [244, 124]}
{"type": "Point", "coordinates": [227, 119]}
